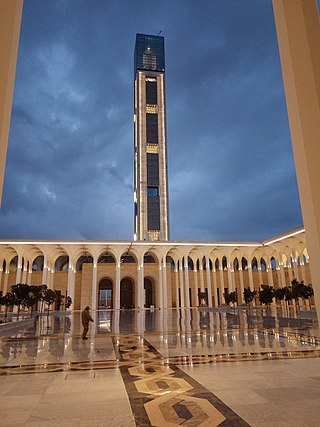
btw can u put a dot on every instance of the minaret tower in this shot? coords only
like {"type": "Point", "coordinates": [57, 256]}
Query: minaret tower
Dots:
{"type": "Point", "coordinates": [150, 154]}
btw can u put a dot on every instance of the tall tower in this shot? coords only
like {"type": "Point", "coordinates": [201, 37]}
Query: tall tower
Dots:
{"type": "Point", "coordinates": [150, 158]}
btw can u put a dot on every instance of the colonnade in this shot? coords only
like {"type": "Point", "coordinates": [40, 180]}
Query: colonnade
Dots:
{"type": "Point", "coordinates": [179, 270]}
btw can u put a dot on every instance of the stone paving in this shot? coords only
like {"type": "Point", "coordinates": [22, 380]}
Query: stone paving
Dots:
{"type": "Point", "coordinates": [175, 367]}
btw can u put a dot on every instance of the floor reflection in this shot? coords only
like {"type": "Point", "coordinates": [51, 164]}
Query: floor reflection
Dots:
{"type": "Point", "coordinates": [173, 333]}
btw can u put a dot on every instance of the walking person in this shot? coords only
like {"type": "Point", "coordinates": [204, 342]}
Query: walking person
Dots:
{"type": "Point", "coordinates": [86, 318]}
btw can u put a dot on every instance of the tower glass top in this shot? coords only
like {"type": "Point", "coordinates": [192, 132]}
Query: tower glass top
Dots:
{"type": "Point", "coordinates": [149, 53]}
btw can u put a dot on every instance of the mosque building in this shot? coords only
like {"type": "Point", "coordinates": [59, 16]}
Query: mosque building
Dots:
{"type": "Point", "coordinates": [151, 270]}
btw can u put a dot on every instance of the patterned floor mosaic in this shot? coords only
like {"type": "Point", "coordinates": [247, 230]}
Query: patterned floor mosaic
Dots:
{"type": "Point", "coordinates": [162, 395]}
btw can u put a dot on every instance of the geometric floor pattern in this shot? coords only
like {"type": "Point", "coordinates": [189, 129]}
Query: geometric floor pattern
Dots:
{"type": "Point", "coordinates": [163, 395]}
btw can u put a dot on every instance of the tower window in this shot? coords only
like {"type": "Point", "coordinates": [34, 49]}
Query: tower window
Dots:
{"type": "Point", "coordinates": [151, 92]}
{"type": "Point", "coordinates": [152, 169]}
{"type": "Point", "coordinates": [152, 128]}
{"type": "Point", "coordinates": [153, 191]}
{"type": "Point", "coordinates": [153, 208]}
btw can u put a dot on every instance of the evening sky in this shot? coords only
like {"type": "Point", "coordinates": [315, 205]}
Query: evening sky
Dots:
{"type": "Point", "coordinates": [69, 168]}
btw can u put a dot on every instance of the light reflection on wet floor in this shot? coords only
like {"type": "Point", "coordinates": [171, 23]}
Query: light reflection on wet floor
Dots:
{"type": "Point", "coordinates": [172, 333]}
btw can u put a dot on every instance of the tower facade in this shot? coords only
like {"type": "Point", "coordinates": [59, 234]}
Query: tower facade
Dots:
{"type": "Point", "coordinates": [150, 155]}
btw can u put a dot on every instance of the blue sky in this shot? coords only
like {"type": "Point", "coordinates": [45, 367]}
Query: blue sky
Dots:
{"type": "Point", "coordinates": [70, 157]}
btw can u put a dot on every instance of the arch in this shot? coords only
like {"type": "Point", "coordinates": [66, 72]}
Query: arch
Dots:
{"type": "Point", "coordinates": [62, 263]}
{"type": "Point", "coordinates": [128, 258]}
{"type": "Point", "coordinates": [83, 259]}
{"type": "Point", "coordinates": [13, 264]}
{"type": "Point", "coordinates": [273, 263]}
{"type": "Point", "coordinates": [105, 296]}
{"type": "Point", "coordinates": [224, 263]}
{"type": "Point", "coordinates": [37, 264]}
{"type": "Point", "coordinates": [106, 258]}
{"type": "Point", "coordinates": [216, 264]}
{"type": "Point", "coordinates": [263, 264]}
{"type": "Point", "coordinates": [127, 293]}
{"type": "Point", "coordinates": [235, 264]}
{"type": "Point", "coordinates": [4, 265]}
{"type": "Point", "coordinates": [244, 263]}
{"type": "Point", "coordinates": [190, 263]}
{"type": "Point", "coordinates": [149, 258]}
{"type": "Point", "coordinates": [254, 264]}
{"type": "Point", "coordinates": [204, 263]}
{"type": "Point", "coordinates": [149, 292]}
{"type": "Point", "coordinates": [170, 260]}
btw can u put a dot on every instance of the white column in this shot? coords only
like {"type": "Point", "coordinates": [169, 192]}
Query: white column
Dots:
{"type": "Point", "coordinates": [186, 281]}
{"type": "Point", "coordinates": [45, 269]}
{"type": "Point", "coordinates": [233, 279]}
{"type": "Point", "coordinates": [94, 290]}
{"type": "Point", "coordinates": [160, 289]}
{"type": "Point", "coordinates": [229, 278]}
{"type": "Point", "coordinates": [215, 287]}
{"type": "Point", "coordinates": [295, 269]}
{"type": "Point", "coordinates": [181, 286]}
{"type": "Point", "coordinates": [260, 274]}
{"type": "Point", "coordinates": [140, 285]}
{"type": "Point", "coordinates": [282, 275]}
{"type": "Point", "coordinates": [164, 283]}
{"type": "Point", "coordinates": [176, 282]}
{"type": "Point", "coordinates": [222, 301]}
{"type": "Point", "coordinates": [251, 285]}
{"type": "Point", "coordinates": [19, 267]}
{"type": "Point", "coordinates": [298, 31]}
{"type": "Point", "coordinates": [201, 276]}
{"type": "Point", "coordinates": [208, 282]}
{"type": "Point", "coordinates": [195, 288]}
{"type": "Point", "coordinates": [71, 283]}
{"type": "Point", "coordinates": [240, 297]}
{"type": "Point", "coordinates": [24, 273]}
{"type": "Point", "coordinates": [117, 286]}
{"type": "Point", "coordinates": [270, 275]}
{"type": "Point", "coordinates": [50, 277]}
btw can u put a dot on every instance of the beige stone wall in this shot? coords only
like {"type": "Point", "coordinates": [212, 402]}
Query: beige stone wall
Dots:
{"type": "Point", "coordinates": [60, 281]}
{"type": "Point", "coordinates": [78, 288]}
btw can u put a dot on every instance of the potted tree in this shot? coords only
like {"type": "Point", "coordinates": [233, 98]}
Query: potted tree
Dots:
{"type": "Point", "coordinates": [279, 294]}
{"type": "Point", "coordinates": [266, 295]}
{"type": "Point", "coordinates": [249, 296]}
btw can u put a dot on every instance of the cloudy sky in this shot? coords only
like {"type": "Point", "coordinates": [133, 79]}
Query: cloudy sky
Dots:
{"type": "Point", "coordinates": [70, 157]}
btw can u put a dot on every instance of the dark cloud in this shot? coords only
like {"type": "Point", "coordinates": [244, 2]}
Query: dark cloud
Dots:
{"type": "Point", "coordinates": [70, 158]}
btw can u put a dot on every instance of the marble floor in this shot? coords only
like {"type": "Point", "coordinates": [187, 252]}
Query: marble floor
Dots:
{"type": "Point", "coordinates": [193, 367]}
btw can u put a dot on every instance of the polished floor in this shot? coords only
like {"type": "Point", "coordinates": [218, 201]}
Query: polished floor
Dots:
{"type": "Point", "coordinates": [163, 368]}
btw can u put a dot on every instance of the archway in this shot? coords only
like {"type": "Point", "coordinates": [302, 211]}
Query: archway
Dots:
{"type": "Point", "coordinates": [126, 293]}
{"type": "Point", "coordinates": [83, 259]}
{"type": "Point", "coordinates": [62, 263]}
{"type": "Point", "coordinates": [37, 264]}
{"type": "Point", "coordinates": [148, 292]}
{"type": "Point", "coordinates": [105, 293]}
